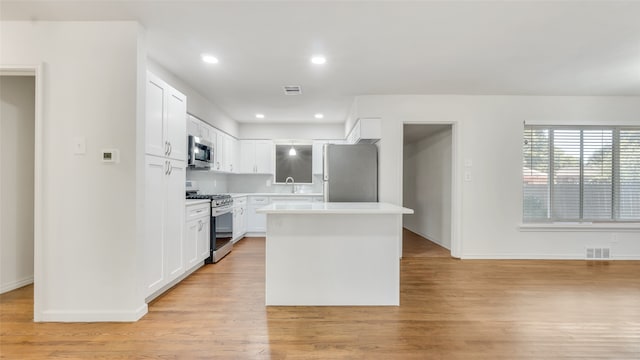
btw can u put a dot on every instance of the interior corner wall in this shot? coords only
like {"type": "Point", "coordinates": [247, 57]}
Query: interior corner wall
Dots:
{"type": "Point", "coordinates": [88, 251]}
{"type": "Point", "coordinates": [332, 131]}
{"type": "Point", "coordinates": [17, 121]}
{"type": "Point", "coordinates": [488, 134]}
{"type": "Point", "coordinates": [197, 105]}
{"type": "Point", "coordinates": [427, 187]}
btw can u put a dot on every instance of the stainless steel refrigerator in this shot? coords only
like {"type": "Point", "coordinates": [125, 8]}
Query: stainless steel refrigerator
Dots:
{"type": "Point", "coordinates": [350, 173]}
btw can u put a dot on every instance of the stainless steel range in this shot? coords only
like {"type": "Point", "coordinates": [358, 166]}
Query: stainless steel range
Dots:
{"type": "Point", "coordinates": [221, 222]}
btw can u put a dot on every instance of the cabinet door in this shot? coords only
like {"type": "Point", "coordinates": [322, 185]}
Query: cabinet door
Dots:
{"type": "Point", "coordinates": [317, 157]}
{"type": "Point", "coordinates": [236, 223]}
{"type": "Point", "coordinates": [264, 156]}
{"type": "Point", "coordinates": [243, 220]}
{"type": "Point", "coordinates": [174, 219]}
{"type": "Point", "coordinates": [203, 239]}
{"type": "Point", "coordinates": [191, 243]}
{"type": "Point", "coordinates": [247, 156]}
{"type": "Point", "coordinates": [227, 153]}
{"type": "Point", "coordinates": [218, 154]}
{"type": "Point", "coordinates": [155, 112]}
{"type": "Point", "coordinates": [256, 222]}
{"type": "Point", "coordinates": [154, 274]}
{"type": "Point", "coordinates": [176, 125]}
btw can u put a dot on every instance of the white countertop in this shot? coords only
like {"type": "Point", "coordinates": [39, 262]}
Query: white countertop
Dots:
{"type": "Point", "coordinates": [333, 208]}
{"type": "Point", "coordinates": [235, 195]}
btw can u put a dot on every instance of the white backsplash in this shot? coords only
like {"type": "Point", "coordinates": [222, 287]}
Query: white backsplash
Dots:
{"type": "Point", "coordinates": [264, 184]}
{"type": "Point", "coordinates": [209, 182]}
{"type": "Point", "coordinates": [216, 183]}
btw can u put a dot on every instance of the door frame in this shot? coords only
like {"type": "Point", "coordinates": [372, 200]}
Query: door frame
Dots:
{"type": "Point", "coordinates": [37, 72]}
{"type": "Point", "coordinates": [456, 184]}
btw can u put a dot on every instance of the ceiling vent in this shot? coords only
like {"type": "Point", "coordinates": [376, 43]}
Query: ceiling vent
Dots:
{"type": "Point", "coordinates": [292, 90]}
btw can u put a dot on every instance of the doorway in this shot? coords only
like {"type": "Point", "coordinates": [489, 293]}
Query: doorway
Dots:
{"type": "Point", "coordinates": [21, 178]}
{"type": "Point", "coordinates": [427, 187]}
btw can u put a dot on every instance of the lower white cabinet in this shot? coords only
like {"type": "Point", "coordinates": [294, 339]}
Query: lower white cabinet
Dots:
{"type": "Point", "coordinates": [257, 222]}
{"type": "Point", "coordinates": [239, 218]}
{"type": "Point", "coordinates": [197, 230]}
{"type": "Point", "coordinates": [164, 221]}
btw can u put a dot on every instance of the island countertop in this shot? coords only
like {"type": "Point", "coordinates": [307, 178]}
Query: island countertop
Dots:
{"type": "Point", "coordinates": [334, 208]}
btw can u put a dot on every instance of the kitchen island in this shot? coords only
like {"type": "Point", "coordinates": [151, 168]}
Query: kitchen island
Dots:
{"type": "Point", "coordinates": [333, 253]}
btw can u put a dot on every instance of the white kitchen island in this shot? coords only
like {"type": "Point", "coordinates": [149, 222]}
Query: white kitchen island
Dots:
{"type": "Point", "coordinates": [333, 253]}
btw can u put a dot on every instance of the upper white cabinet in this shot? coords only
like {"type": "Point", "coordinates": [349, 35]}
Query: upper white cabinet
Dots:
{"type": "Point", "coordinates": [229, 153]}
{"type": "Point", "coordinates": [366, 130]}
{"type": "Point", "coordinates": [199, 128]}
{"type": "Point", "coordinates": [256, 156]}
{"type": "Point", "coordinates": [165, 127]}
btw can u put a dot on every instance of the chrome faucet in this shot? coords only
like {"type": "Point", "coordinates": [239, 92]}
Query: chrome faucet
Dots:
{"type": "Point", "coordinates": [293, 184]}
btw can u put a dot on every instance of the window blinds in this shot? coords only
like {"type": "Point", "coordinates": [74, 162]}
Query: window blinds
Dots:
{"type": "Point", "coordinates": [581, 174]}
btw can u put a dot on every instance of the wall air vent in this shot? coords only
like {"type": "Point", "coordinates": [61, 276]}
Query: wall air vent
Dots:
{"type": "Point", "coordinates": [598, 254]}
{"type": "Point", "coordinates": [292, 90]}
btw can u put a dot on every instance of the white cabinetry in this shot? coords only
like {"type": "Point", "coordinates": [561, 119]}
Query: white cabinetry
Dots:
{"type": "Point", "coordinates": [166, 113]}
{"type": "Point", "coordinates": [229, 153]}
{"type": "Point", "coordinates": [197, 127]}
{"type": "Point", "coordinates": [257, 223]}
{"type": "Point", "coordinates": [240, 214]}
{"type": "Point", "coordinates": [317, 156]}
{"type": "Point", "coordinates": [225, 151]}
{"type": "Point", "coordinates": [164, 183]}
{"type": "Point", "coordinates": [256, 156]}
{"type": "Point", "coordinates": [164, 221]}
{"type": "Point", "coordinates": [196, 241]}
{"type": "Point", "coordinates": [366, 130]}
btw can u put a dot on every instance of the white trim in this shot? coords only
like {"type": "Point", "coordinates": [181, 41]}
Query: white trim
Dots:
{"type": "Point", "coordinates": [37, 72]}
{"type": "Point", "coordinates": [433, 239]}
{"type": "Point", "coordinates": [95, 316]}
{"type": "Point", "coordinates": [16, 284]}
{"type": "Point", "coordinates": [569, 227]}
{"type": "Point", "coordinates": [543, 257]}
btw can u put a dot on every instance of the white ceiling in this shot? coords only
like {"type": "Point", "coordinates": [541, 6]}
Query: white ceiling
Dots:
{"type": "Point", "coordinates": [383, 47]}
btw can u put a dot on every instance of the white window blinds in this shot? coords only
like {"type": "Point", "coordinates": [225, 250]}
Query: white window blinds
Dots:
{"type": "Point", "coordinates": [581, 174]}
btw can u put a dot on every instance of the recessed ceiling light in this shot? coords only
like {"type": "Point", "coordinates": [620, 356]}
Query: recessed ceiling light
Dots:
{"type": "Point", "coordinates": [318, 60]}
{"type": "Point", "coordinates": [209, 59]}
{"type": "Point", "coordinates": [260, 116]}
{"type": "Point", "coordinates": [318, 116]}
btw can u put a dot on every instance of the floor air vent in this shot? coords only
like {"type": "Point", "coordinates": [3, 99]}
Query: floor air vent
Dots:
{"type": "Point", "coordinates": [292, 90]}
{"type": "Point", "coordinates": [598, 253]}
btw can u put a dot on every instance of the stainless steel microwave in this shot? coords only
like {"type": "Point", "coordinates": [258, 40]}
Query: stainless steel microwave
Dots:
{"type": "Point", "coordinates": [200, 153]}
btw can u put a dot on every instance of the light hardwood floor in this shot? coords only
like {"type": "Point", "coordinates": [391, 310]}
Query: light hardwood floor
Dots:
{"type": "Point", "coordinates": [450, 309]}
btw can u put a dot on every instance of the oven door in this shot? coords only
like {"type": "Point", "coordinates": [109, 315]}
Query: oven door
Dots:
{"type": "Point", "coordinates": [221, 230]}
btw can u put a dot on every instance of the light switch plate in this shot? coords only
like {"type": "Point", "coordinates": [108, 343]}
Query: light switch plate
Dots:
{"type": "Point", "coordinates": [467, 176]}
{"type": "Point", "coordinates": [468, 163]}
{"type": "Point", "coordinates": [79, 145]}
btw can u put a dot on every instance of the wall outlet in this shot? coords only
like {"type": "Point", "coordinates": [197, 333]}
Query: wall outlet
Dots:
{"type": "Point", "coordinates": [467, 176]}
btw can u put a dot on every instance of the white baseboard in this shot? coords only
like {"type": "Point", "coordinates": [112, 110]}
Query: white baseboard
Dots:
{"type": "Point", "coordinates": [540, 257]}
{"type": "Point", "coordinates": [16, 284]}
{"type": "Point", "coordinates": [430, 238]}
{"type": "Point", "coordinates": [255, 234]}
{"type": "Point", "coordinates": [94, 316]}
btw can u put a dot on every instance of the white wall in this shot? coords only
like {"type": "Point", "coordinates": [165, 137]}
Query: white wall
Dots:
{"type": "Point", "coordinates": [427, 187]}
{"type": "Point", "coordinates": [488, 131]}
{"type": "Point", "coordinates": [292, 131]}
{"type": "Point", "coordinates": [88, 251]}
{"type": "Point", "coordinates": [17, 119]}
{"type": "Point", "coordinates": [197, 105]}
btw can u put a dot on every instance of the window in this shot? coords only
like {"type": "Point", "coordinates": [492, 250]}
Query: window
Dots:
{"type": "Point", "coordinates": [581, 174]}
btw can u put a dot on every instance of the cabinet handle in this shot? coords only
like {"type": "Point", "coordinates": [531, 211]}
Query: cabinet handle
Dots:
{"type": "Point", "coordinates": [166, 148]}
{"type": "Point", "coordinates": [170, 148]}
{"type": "Point", "coordinates": [241, 211]}
{"type": "Point", "coordinates": [231, 167]}
{"type": "Point", "coordinates": [170, 168]}
{"type": "Point", "coordinates": [200, 225]}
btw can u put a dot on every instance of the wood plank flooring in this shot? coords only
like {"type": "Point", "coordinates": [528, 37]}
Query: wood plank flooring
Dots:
{"type": "Point", "coordinates": [450, 309]}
